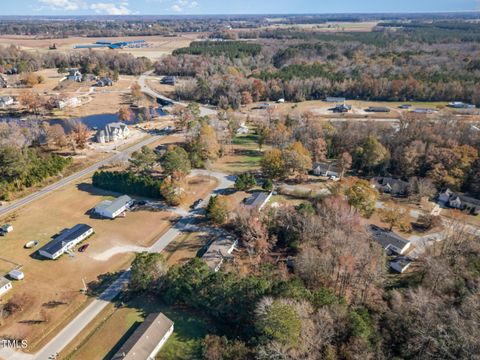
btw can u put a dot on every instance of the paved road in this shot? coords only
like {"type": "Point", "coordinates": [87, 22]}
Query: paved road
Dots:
{"type": "Point", "coordinates": [65, 181]}
{"type": "Point", "coordinates": [204, 111]}
{"type": "Point", "coordinates": [67, 334]}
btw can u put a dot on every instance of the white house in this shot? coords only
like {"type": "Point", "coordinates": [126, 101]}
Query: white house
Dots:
{"type": "Point", "coordinates": [113, 132]}
{"type": "Point", "coordinates": [65, 241]}
{"type": "Point", "coordinates": [5, 285]}
{"type": "Point", "coordinates": [6, 101]}
{"type": "Point", "coordinates": [68, 102]}
{"type": "Point", "coordinates": [243, 130]}
{"type": "Point", "coordinates": [147, 340]}
{"type": "Point", "coordinates": [390, 241]}
{"type": "Point", "coordinates": [326, 169]}
{"type": "Point", "coordinates": [74, 75]}
{"type": "Point", "coordinates": [112, 209]}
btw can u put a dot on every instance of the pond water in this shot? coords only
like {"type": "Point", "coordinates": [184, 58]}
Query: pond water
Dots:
{"type": "Point", "coordinates": [97, 121]}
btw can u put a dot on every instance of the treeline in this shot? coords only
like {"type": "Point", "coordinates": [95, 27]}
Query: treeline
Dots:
{"type": "Point", "coordinates": [380, 67]}
{"type": "Point", "coordinates": [337, 303]}
{"type": "Point", "coordinates": [22, 168]}
{"type": "Point", "coordinates": [88, 61]}
{"type": "Point", "coordinates": [445, 152]}
{"type": "Point", "coordinates": [127, 182]}
{"type": "Point", "coordinates": [231, 49]}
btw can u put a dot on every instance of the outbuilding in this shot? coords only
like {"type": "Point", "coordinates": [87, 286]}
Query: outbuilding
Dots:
{"type": "Point", "coordinates": [112, 209]}
{"type": "Point", "coordinates": [65, 241]}
{"type": "Point", "coordinates": [16, 275]}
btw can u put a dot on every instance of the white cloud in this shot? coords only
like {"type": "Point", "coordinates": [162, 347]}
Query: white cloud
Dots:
{"type": "Point", "coordinates": [111, 8]}
{"type": "Point", "coordinates": [70, 5]}
{"type": "Point", "coordinates": [181, 5]}
{"type": "Point", "coordinates": [176, 8]}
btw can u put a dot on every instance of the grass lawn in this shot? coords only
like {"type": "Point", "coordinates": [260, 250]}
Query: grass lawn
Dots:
{"type": "Point", "coordinates": [113, 328]}
{"type": "Point", "coordinates": [243, 155]}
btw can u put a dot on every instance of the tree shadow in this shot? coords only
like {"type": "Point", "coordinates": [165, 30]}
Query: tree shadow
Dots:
{"type": "Point", "coordinates": [92, 190]}
{"type": "Point", "coordinates": [122, 340]}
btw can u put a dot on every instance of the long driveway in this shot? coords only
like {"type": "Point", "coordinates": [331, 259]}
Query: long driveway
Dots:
{"type": "Point", "coordinates": [78, 175]}
{"type": "Point", "coordinates": [204, 111]}
{"type": "Point", "coordinates": [69, 332]}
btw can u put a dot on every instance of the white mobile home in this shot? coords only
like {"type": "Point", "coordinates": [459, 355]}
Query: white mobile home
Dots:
{"type": "Point", "coordinates": [65, 241]}
{"type": "Point", "coordinates": [5, 285]}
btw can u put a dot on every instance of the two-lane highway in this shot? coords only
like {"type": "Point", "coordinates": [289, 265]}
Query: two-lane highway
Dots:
{"type": "Point", "coordinates": [74, 177]}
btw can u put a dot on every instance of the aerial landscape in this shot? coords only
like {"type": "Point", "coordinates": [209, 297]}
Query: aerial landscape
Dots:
{"type": "Point", "coordinates": [239, 180]}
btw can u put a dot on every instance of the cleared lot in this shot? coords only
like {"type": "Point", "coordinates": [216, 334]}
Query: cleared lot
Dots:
{"type": "Point", "coordinates": [50, 292]}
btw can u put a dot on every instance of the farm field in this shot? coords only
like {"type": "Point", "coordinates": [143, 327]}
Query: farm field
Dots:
{"type": "Point", "coordinates": [42, 284]}
{"type": "Point", "coordinates": [327, 27]}
{"type": "Point", "coordinates": [158, 45]}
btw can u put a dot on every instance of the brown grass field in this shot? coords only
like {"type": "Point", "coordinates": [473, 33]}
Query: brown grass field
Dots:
{"type": "Point", "coordinates": [61, 280]}
{"type": "Point", "coordinates": [158, 45]}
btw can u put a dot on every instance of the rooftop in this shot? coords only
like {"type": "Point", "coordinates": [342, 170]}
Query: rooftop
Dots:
{"type": "Point", "coordinates": [64, 238]}
{"type": "Point", "coordinates": [115, 205]}
{"type": "Point", "coordinates": [386, 238]}
{"type": "Point", "coordinates": [144, 340]}
{"type": "Point", "coordinates": [218, 250]}
{"type": "Point", "coordinates": [257, 199]}
{"type": "Point", "coordinates": [4, 281]}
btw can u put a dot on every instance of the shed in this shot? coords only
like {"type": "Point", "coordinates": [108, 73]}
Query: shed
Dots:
{"type": "Point", "coordinates": [16, 275]}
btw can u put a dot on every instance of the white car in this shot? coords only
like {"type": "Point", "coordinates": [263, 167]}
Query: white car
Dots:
{"type": "Point", "coordinates": [333, 177]}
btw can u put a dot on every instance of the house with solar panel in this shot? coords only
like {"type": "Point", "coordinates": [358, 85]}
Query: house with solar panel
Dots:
{"type": "Point", "coordinates": [64, 242]}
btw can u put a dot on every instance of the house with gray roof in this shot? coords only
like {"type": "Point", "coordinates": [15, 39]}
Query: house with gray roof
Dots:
{"type": "Point", "coordinates": [74, 75]}
{"type": "Point", "coordinates": [391, 242]}
{"type": "Point", "coordinates": [258, 200]}
{"type": "Point", "coordinates": [113, 132]}
{"type": "Point", "coordinates": [111, 209]}
{"type": "Point", "coordinates": [391, 186]}
{"type": "Point", "coordinates": [218, 251]}
{"type": "Point", "coordinates": [65, 241]}
{"type": "Point", "coordinates": [147, 340]}
{"type": "Point", "coordinates": [460, 202]}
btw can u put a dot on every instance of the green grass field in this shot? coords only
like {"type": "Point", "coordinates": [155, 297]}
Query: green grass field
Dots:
{"type": "Point", "coordinates": [116, 325]}
{"type": "Point", "coordinates": [243, 156]}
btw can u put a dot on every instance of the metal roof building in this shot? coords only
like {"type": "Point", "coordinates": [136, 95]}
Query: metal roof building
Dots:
{"type": "Point", "coordinates": [65, 241]}
{"type": "Point", "coordinates": [111, 209]}
{"type": "Point", "coordinates": [147, 339]}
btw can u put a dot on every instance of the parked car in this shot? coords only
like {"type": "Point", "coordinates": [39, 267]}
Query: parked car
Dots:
{"type": "Point", "coordinates": [83, 248]}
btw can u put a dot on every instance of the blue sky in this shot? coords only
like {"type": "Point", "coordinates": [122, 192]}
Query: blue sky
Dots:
{"type": "Point", "coordinates": [160, 7]}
